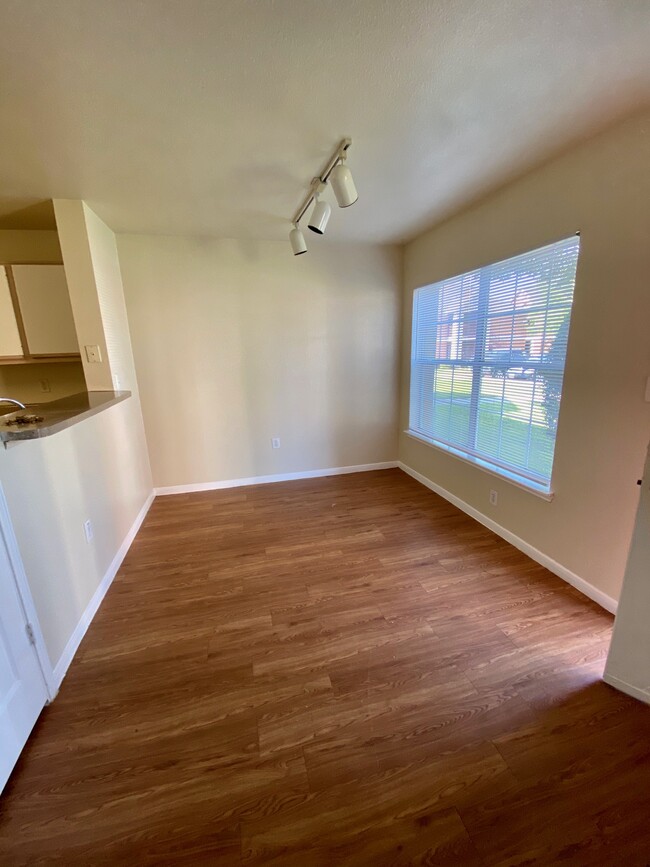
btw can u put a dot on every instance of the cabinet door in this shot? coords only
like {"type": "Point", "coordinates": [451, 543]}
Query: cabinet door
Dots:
{"type": "Point", "coordinates": [10, 345]}
{"type": "Point", "coordinates": [45, 307]}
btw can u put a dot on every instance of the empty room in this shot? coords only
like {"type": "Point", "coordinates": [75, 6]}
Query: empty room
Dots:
{"type": "Point", "coordinates": [324, 430]}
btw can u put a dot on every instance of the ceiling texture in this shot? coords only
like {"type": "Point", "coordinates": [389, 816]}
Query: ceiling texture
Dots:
{"type": "Point", "coordinates": [210, 117]}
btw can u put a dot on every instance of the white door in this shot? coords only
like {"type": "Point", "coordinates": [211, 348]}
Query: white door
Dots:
{"type": "Point", "coordinates": [22, 686]}
{"type": "Point", "coordinates": [628, 663]}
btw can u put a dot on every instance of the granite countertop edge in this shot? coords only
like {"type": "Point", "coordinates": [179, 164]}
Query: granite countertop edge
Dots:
{"type": "Point", "coordinates": [59, 414]}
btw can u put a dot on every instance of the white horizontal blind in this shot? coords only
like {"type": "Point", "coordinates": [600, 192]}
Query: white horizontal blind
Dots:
{"type": "Point", "coordinates": [487, 360]}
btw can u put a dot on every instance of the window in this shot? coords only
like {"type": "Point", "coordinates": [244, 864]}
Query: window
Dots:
{"type": "Point", "coordinates": [487, 362]}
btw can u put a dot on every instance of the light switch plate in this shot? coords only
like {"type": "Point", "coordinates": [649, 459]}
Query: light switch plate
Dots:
{"type": "Point", "coordinates": [93, 354]}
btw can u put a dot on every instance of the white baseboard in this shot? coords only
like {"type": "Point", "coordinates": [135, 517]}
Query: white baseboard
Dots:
{"type": "Point", "coordinates": [278, 477]}
{"type": "Point", "coordinates": [553, 566]}
{"type": "Point", "coordinates": [75, 639]}
{"type": "Point", "coordinates": [627, 688]}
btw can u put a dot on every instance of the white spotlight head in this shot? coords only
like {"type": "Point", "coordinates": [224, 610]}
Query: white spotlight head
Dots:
{"type": "Point", "coordinates": [320, 215]}
{"type": "Point", "coordinates": [343, 186]}
{"type": "Point", "coordinates": [297, 240]}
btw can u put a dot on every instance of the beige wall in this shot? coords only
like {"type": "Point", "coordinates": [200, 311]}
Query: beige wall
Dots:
{"type": "Point", "coordinates": [97, 470]}
{"type": "Point", "coordinates": [26, 246]}
{"type": "Point", "coordinates": [107, 275]}
{"type": "Point", "coordinates": [602, 189]}
{"type": "Point", "coordinates": [22, 381]}
{"type": "Point", "coordinates": [90, 471]}
{"type": "Point", "coordinates": [238, 342]}
{"type": "Point", "coordinates": [71, 221]}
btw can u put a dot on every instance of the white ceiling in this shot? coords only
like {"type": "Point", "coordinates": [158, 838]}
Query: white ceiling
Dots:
{"type": "Point", "coordinates": [210, 117]}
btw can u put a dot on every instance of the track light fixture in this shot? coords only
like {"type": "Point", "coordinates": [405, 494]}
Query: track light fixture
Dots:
{"type": "Point", "coordinates": [297, 240]}
{"type": "Point", "coordinates": [344, 191]}
{"type": "Point", "coordinates": [321, 213]}
{"type": "Point", "coordinates": [343, 185]}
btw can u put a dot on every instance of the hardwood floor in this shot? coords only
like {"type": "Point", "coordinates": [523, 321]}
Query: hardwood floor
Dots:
{"type": "Point", "coordinates": [329, 672]}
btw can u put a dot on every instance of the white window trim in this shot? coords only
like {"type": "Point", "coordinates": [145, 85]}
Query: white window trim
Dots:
{"type": "Point", "coordinates": [524, 484]}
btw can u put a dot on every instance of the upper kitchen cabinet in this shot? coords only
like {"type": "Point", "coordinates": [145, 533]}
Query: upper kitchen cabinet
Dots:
{"type": "Point", "coordinates": [10, 345]}
{"type": "Point", "coordinates": [35, 304]}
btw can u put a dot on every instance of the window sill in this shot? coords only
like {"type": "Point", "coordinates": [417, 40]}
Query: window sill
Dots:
{"type": "Point", "coordinates": [504, 475]}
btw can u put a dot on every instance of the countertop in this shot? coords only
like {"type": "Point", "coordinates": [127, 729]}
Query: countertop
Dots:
{"type": "Point", "coordinates": [58, 414]}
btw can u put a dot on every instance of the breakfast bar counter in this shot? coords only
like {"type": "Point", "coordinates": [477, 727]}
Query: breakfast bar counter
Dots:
{"type": "Point", "coordinates": [45, 419]}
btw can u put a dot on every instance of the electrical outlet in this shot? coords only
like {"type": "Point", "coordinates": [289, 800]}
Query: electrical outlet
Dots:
{"type": "Point", "coordinates": [93, 354]}
{"type": "Point", "coordinates": [275, 443]}
{"type": "Point", "coordinates": [88, 530]}
{"type": "Point", "coordinates": [45, 384]}
{"type": "Point", "coordinates": [494, 498]}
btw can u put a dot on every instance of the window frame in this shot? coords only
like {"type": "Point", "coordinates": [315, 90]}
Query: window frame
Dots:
{"type": "Point", "coordinates": [524, 478]}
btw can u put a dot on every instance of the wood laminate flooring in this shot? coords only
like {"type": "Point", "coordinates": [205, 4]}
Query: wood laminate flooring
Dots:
{"type": "Point", "coordinates": [342, 671]}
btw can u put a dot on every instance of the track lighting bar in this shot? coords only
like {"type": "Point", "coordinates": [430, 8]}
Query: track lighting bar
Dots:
{"type": "Point", "coordinates": [339, 154]}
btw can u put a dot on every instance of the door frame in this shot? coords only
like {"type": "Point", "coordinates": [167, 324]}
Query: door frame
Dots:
{"type": "Point", "coordinates": [8, 537]}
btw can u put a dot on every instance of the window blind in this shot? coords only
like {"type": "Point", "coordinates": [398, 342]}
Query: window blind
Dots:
{"type": "Point", "coordinates": [487, 361]}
